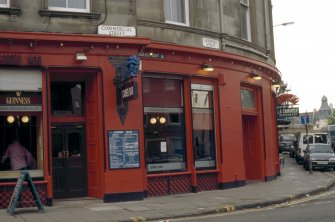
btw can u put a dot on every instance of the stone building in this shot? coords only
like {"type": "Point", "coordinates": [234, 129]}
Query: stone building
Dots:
{"type": "Point", "coordinates": [121, 100]}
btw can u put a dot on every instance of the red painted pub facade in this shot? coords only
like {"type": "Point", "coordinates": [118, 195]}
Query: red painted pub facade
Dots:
{"type": "Point", "coordinates": [175, 128]}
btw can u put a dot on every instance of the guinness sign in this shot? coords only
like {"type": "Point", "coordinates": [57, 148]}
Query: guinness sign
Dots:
{"type": "Point", "coordinates": [10, 101]}
{"type": "Point", "coordinates": [18, 100]}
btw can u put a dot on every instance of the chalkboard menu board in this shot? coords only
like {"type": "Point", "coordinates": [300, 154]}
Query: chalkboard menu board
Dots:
{"type": "Point", "coordinates": [24, 176]}
{"type": "Point", "coordinates": [123, 149]}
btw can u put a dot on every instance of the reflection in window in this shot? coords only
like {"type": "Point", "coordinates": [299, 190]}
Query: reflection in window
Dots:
{"type": "Point", "coordinates": [203, 128]}
{"type": "Point", "coordinates": [245, 20]}
{"type": "Point", "coordinates": [67, 98]}
{"type": "Point", "coordinates": [27, 130]}
{"type": "Point", "coordinates": [70, 5]}
{"type": "Point", "coordinates": [176, 11]}
{"type": "Point", "coordinates": [4, 3]}
{"type": "Point", "coordinates": [248, 99]}
{"type": "Point", "coordinates": [164, 125]}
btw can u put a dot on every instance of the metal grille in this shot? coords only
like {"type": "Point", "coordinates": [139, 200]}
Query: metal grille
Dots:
{"type": "Point", "coordinates": [26, 199]}
{"type": "Point", "coordinates": [207, 182]}
{"type": "Point", "coordinates": [160, 186]}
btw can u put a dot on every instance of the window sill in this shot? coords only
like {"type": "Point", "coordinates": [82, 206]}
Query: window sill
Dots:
{"type": "Point", "coordinates": [86, 15]}
{"type": "Point", "coordinates": [10, 11]}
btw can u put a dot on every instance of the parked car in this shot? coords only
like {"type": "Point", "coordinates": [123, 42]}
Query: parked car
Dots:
{"type": "Point", "coordinates": [319, 156]}
{"type": "Point", "coordinates": [287, 143]}
{"type": "Point", "coordinates": [311, 138]}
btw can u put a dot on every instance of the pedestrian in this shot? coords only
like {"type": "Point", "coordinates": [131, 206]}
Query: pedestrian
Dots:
{"type": "Point", "coordinates": [20, 158]}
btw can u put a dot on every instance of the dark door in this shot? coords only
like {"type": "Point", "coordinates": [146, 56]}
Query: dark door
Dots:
{"type": "Point", "coordinates": [251, 147]}
{"type": "Point", "coordinates": [69, 160]}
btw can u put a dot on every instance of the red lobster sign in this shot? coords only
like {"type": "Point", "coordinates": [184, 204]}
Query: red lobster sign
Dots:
{"type": "Point", "coordinates": [287, 98]}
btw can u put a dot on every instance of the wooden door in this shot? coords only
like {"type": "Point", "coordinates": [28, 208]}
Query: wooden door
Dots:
{"type": "Point", "coordinates": [69, 160]}
{"type": "Point", "coordinates": [251, 148]}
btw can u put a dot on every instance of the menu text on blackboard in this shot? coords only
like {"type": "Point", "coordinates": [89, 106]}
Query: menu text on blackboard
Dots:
{"type": "Point", "coordinates": [123, 149]}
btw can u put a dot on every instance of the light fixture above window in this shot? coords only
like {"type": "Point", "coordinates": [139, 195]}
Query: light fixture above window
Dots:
{"type": "Point", "coordinates": [255, 76]}
{"type": "Point", "coordinates": [81, 56]}
{"type": "Point", "coordinates": [207, 67]}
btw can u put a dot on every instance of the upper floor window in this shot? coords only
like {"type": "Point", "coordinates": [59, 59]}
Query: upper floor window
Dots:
{"type": "Point", "coordinates": [245, 20]}
{"type": "Point", "coordinates": [70, 5]}
{"type": "Point", "coordinates": [4, 3]}
{"type": "Point", "coordinates": [177, 12]}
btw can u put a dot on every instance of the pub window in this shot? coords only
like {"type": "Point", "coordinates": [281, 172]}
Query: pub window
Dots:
{"type": "Point", "coordinates": [67, 98]}
{"type": "Point", "coordinates": [248, 99]}
{"type": "Point", "coordinates": [4, 3]}
{"type": "Point", "coordinates": [69, 5]}
{"type": "Point", "coordinates": [25, 129]}
{"type": "Point", "coordinates": [203, 126]}
{"type": "Point", "coordinates": [245, 20]}
{"type": "Point", "coordinates": [164, 125]}
{"type": "Point", "coordinates": [177, 12]}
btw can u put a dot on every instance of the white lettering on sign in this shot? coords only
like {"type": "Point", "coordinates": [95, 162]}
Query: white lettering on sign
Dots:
{"type": "Point", "coordinates": [116, 30]}
{"type": "Point", "coordinates": [211, 43]}
{"type": "Point", "coordinates": [127, 92]}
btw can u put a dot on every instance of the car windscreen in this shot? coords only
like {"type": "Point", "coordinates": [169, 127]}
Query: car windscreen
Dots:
{"type": "Point", "coordinates": [321, 149]}
{"type": "Point", "coordinates": [289, 137]}
{"type": "Point", "coordinates": [320, 138]}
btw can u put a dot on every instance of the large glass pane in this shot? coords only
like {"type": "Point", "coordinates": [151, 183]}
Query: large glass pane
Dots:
{"type": "Point", "coordinates": [164, 125]}
{"type": "Point", "coordinates": [203, 129]}
{"type": "Point", "coordinates": [57, 3]}
{"type": "Point", "coordinates": [67, 98]}
{"type": "Point", "coordinates": [245, 26]}
{"type": "Point", "coordinates": [248, 99]}
{"type": "Point", "coordinates": [175, 11]}
{"type": "Point", "coordinates": [69, 5]}
{"type": "Point", "coordinates": [77, 4]}
{"type": "Point", "coordinates": [4, 3]}
{"type": "Point", "coordinates": [21, 145]}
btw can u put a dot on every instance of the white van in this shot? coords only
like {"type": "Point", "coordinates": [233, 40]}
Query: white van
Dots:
{"type": "Point", "coordinates": [311, 138]}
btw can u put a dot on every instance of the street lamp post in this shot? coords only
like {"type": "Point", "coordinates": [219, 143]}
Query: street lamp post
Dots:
{"type": "Point", "coordinates": [284, 24]}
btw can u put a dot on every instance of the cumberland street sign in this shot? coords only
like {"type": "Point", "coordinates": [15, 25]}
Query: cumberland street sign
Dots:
{"type": "Point", "coordinates": [283, 112]}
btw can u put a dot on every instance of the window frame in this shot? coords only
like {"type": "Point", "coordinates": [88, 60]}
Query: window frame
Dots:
{"type": "Point", "coordinates": [167, 140]}
{"type": "Point", "coordinates": [66, 9]}
{"type": "Point", "coordinates": [39, 171]}
{"type": "Point", "coordinates": [6, 5]}
{"type": "Point", "coordinates": [245, 4]}
{"type": "Point", "coordinates": [186, 14]}
{"type": "Point", "coordinates": [212, 163]}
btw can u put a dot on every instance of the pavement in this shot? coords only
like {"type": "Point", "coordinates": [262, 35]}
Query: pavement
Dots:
{"type": "Point", "coordinates": [294, 183]}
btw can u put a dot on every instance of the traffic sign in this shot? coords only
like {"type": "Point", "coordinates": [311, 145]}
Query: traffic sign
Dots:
{"type": "Point", "coordinates": [304, 119]}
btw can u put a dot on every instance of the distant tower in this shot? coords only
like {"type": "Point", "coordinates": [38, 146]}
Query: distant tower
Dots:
{"type": "Point", "coordinates": [325, 110]}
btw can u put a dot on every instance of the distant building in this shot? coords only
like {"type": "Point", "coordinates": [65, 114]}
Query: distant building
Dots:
{"type": "Point", "coordinates": [321, 116]}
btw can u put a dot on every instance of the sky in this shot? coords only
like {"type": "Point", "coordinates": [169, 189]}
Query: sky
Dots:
{"type": "Point", "coordinates": [305, 51]}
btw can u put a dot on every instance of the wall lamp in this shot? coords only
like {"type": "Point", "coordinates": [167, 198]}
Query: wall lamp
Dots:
{"type": "Point", "coordinates": [81, 56]}
{"type": "Point", "coordinates": [255, 76]}
{"type": "Point", "coordinates": [207, 67]}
